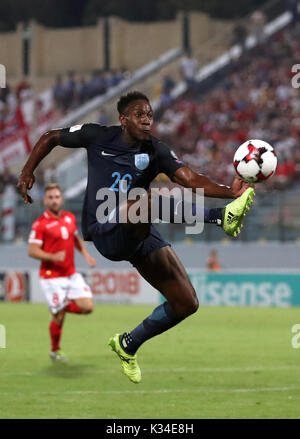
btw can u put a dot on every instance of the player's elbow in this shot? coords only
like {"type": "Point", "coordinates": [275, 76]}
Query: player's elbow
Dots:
{"type": "Point", "coordinates": [50, 138]}
{"type": "Point", "coordinates": [185, 177]}
{"type": "Point", "coordinates": [31, 253]}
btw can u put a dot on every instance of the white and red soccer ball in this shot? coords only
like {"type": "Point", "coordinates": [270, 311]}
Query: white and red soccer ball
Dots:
{"type": "Point", "coordinates": [255, 161]}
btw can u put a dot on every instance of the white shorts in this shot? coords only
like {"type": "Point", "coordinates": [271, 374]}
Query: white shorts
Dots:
{"type": "Point", "coordinates": [59, 290]}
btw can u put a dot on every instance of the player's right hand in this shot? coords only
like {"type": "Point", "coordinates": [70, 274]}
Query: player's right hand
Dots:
{"type": "Point", "coordinates": [25, 183]}
{"type": "Point", "coordinates": [238, 186]}
{"type": "Point", "coordinates": [59, 256]}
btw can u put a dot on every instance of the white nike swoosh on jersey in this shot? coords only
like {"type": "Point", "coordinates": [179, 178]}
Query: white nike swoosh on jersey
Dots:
{"type": "Point", "coordinates": [106, 153]}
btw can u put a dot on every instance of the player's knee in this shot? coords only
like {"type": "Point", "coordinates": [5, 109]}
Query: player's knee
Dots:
{"type": "Point", "coordinates": [59, 317]}
{"type": "Point", "coordinates": [193, 305]}
{"type": "Point", "coordinates": [91, 308]}
{"type": "Point", "coordinates": [88, 309]}
{"type": "Point", "coordinates": [188, 307]}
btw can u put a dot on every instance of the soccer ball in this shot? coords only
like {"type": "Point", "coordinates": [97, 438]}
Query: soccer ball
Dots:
{"type": "Point", "coordinates": [255, 161]}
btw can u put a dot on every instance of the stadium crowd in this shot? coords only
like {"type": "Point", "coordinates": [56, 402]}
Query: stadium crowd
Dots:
{"type": "Point", "coordinates": [10, 99]}
{"type": "Point", "coordinates": [73, 91]}
{"type": "Point", "coordinates": [256, 99]}
{"type": "Point", "coordinates": [67, 94]}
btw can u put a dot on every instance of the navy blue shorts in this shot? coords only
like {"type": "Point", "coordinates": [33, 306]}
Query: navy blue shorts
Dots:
{"type": "Point", "coordinates": [118, 244]}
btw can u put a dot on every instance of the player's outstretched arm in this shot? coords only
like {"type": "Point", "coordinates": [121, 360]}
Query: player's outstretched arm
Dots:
{"type": "Point", "coordinates": [190, 179]}
{"type": "Point", "coordinates": [42, 148]}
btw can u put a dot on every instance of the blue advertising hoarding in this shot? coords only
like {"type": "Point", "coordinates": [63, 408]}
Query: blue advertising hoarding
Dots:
{"type": "Point", "coordinates": [246, 288]}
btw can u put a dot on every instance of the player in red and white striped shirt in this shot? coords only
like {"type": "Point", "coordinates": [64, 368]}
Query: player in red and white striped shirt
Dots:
{"type": "Point", "coordinates": [52, 240]}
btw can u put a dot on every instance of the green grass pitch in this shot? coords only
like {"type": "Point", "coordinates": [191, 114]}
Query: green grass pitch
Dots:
{"type": "Point", "coordinates": [219, 363]}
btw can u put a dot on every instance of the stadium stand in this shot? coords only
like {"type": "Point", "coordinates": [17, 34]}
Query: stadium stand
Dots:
{"type": "Point", "coordinates": [206, 129]}
{"type": "Point", "coordinates": [74, 91]}
{"type": "Point", "coordinates": [245, 93]}
{"type": "Point", "coordinates": [255, 99]}
{"type": "Point", "coordinates": [25, 114]}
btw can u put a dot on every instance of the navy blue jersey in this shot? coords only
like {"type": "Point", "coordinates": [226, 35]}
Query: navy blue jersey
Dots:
{"type": "Point", "coordinates": [111, 163]}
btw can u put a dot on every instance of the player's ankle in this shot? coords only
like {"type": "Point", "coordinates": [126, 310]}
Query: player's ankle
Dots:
{"type": "Point", "coordinates": [127, 343]}
{"type": "Point", "coordinates": [213, 216]}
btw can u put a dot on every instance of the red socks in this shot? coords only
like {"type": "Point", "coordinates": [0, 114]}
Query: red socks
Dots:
{"type": "Point", "coordinates": [55, 334]}
{"type": "Point", "coordinates": [72, 307]}
{"type": "Point", "coordinates": [56, 330]}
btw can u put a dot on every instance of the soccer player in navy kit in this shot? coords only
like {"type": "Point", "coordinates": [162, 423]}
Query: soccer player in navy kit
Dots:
{"type": "Point", "coordinates": [129, 154]}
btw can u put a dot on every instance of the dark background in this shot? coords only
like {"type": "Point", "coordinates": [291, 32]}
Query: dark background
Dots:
{"type": "Point", "coordinates": [68, 13]}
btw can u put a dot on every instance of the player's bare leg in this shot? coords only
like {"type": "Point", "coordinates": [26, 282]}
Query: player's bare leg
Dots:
{"type": "Point", "coordinates": [164, 271]}
{"type": "Point", "coordinates": [55, 329]}
{"type": "Point", "coordinates": [163, 267]}
{"type": "Point", "coordinates": [59, 317]}
{"type": "Point", "coordinates": [85, 304]}
{"type": "Point", "coordinates": [82, 305]}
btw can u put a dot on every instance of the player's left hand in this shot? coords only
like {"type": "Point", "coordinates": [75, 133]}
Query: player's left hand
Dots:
{"type": "Point", "coordinates": [239, 186]}
{"type": "Point", "coordinates": [25, 183]}
{"type": "Point", "coordinates": [91, 261]}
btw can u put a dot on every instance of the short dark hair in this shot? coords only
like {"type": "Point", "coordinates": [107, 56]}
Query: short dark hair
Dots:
{"type": "Point", "coordinates": [125, 100]}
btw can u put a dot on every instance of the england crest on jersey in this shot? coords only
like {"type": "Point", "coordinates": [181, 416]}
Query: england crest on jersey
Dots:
{"type": "Point", "coordinates": [141, 161]}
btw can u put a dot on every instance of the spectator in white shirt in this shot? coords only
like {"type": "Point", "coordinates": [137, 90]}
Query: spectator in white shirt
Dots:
{"type": "Point", "coordinates": [188, 69]}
